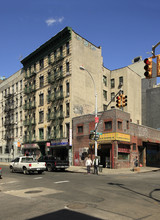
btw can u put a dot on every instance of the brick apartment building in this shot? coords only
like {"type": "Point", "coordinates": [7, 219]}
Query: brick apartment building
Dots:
{"type": "Point", "coordinates": [120, 142]}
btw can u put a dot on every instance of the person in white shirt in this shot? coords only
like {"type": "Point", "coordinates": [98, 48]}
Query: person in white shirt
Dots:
{"type": "Point", "coordinates": [88, 164]}
{"type": "Point", "coordinates": [96, 163]}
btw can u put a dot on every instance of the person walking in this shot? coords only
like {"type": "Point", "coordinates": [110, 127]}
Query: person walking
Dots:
{"type": "Point", "coordinates": [88, 164]}
{"type": "Point", "coordinates": [96, 163]}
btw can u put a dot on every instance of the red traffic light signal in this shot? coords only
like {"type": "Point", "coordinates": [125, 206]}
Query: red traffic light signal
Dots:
{"type": "Point", "coordinates": [119, 98]}
{"type": "Point", "coordinates": [148, 68]}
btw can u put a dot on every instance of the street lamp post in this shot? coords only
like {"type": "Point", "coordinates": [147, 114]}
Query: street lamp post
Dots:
{"type": "Point", "coordinates": [95, 92]}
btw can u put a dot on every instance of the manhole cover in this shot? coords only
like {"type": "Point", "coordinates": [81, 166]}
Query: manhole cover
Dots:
{"type": "Point", "coordinates": [34, 191]}
{"type": "Point", "coordinates": [76, 206]}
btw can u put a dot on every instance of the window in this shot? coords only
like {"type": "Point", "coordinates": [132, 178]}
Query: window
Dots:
{"type": "Point", "coordinates": [67, 48]}
{"type": "Point", "coordinates": [134, 146]}
{"type": "Point", "coordinates": [21, 85]}
{"type": "Point", "coordinates": [112, 83]}
{"type": "Point", "coordinates": [112, 97]}
{"type": "Point", "coordinates": [16, 132]}
{"type": "Point", "coordinates": [123, 156]}
{"type": "Point", "coordinates": [49, 132]}
{"type": "Point", "coordinates": [105, 95]}
{"type": "Point", "coordinates": [17, 87]}
{"type": "Point", "coordinates": [12, 89]}
{"type": "Point", "coordinates": [41, 64]}
{"type": "Point", "coordinates": [67, 129]}
{"type": "Point", "coordinates": [49, 58]}
{"type": "Point", "coordinates": [121, 80]}
{"type": "Point", "coordinates": [61, 51]}
{"type": "Point", "coordinates": [17, 117]}
{"type": "Point", "coordinates": [108, 125]}
{"type": "Point", "coordinates": [41, 100]}
{"type": "Point", "coordinates": [49, 114]}
{"type": "Point", "coordinates": [119, 125]}
{"type": "Point", "coordinates": [67, 110]}
{"type": "Point", "coordinates": [41, 81]}
{"type": "Point", "coordinates": [35, 67]}
{"type": "Point", "coordinates": [41, 117]}
{"type": "Point", "coordinates": [127, 124]}
{"type": "Point", "coordinates": [61, 70]}
{"type": "Point", "coordinates": [41, 133]}
{"type": "Point", "coordinates": [61, 131]}
{"type": "Point", "coordinates": [55, 54]}
{"type": "Point", "coordinates": [21, 131]}
{"type": "Point", "coordinates": [80, 129]}
{"type": "Point", "coordinates": [105, 80]}
{"type": "Point", "coordinates": [67, 89]}
{"type": "Point", "coordinates": [21, 101]}
{"type": "Point", "coordinates": [49, 77]}
{"type": "Point", "coordinates": [67, 67]}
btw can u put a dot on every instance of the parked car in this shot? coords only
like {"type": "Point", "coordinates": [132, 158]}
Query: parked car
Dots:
{"type": "Point", "coordinates": [0, 173]}
{"type": "Point", "coordinates": [27, 164]}
{"type": "Point", "coordinates": [53, 163]}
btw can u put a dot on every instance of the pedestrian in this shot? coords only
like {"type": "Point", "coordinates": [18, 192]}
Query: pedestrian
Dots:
{"type": "Point", "coordinates": [136, 162]}
{"type": "Point", "coordinates": [88, 164]}
{"type": "Point", "coordinates": [96, 164]}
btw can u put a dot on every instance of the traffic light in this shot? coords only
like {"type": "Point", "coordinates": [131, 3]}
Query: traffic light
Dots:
{"type": "Point", "coordinates": [92, 135]}
{"type": "Point", "coordinates": [158, 65]}
{"type": "Point", "coordinates": [148, 68]}
{"type": "Point", "coordinates": [96, 137]}
{"type": "Point", "coordinates": [124, 100]}
{"type": "Point", "coordinates": [119, 98]}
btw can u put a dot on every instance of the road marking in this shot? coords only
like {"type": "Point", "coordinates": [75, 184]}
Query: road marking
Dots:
{"type": "Point", "coordinates": [65, 181]}
{"type": "Point", "coordinates": [9, 182]}
{"type": "Point", "coordinates": [37, 178]}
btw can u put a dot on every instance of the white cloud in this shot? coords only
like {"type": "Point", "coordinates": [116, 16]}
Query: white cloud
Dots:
{"type": "Point", "coordinates": [52, 21]}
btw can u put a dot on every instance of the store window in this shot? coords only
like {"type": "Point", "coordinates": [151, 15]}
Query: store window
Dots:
{"type": "Point", "coordinates": [123, 156]}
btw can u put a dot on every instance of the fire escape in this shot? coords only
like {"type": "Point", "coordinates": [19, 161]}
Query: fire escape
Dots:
{"type": "Point", "coordinates": [56, 97]}
{"type": "Point", "coordinates": [9, 122]}
{"type": "Point", "coordinates": [29, 108]}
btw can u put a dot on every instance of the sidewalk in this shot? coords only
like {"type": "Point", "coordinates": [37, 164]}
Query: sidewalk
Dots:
{"type": "Point", "coordinates": [105, 171]}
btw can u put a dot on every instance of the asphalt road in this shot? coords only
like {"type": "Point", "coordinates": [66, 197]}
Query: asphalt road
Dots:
{"type": "Point", "coordinates": [65, 195]}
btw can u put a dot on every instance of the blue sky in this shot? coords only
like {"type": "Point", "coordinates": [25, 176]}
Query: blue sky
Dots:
{"type": "Point", "coordinates": [124, 29]}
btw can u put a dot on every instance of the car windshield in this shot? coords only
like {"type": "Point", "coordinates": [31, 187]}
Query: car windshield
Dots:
{"type": "Point", "coordinates": [27, 160]}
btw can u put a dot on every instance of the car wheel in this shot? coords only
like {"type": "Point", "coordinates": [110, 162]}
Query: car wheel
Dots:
{"type": "Point", "coordinates": [11, 170]}
{"type": "Point", "coordinates": [49, 168]}
{"type": "Point", "coordinates": [25, 171]}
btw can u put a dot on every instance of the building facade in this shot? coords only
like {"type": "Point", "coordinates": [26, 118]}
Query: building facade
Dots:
{"type": "Point", "coordinates": [56, 90]}
{"type": "Point", "coordinates": [11, 120]}
{"type": "Point", "coordinates": [120, 142]}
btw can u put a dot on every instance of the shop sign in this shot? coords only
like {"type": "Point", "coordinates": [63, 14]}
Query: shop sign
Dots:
{"type": "Point", "coordinates": [30, 146]}
{"type": "Point", "coordinates": [114, 136]}
{"type": "Point", "coordinates": [123, 137]}
{"type": "Point", "coordinates": [48, 144]}
{"type": "Point", "coordinates": [62, 142]}
{"type": "Point", "coordinates": [123, 150]}
{"type": "Point", "coordinates": [107, 137]}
